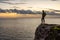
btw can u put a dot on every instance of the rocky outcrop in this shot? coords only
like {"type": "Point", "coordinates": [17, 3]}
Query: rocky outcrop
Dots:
{"type": "Point", "coordinates": [47, 32]}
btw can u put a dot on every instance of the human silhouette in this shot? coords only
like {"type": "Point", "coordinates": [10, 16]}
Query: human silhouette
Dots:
{"type": "Point", "coordinates": [43, 17]}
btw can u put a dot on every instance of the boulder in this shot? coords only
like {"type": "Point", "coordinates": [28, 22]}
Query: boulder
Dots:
{"type": "Point", "coordinates": [47, 32]}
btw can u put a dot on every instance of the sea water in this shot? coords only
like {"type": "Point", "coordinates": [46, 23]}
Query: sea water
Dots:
{"type": "Point", "coordinates": [22, 28]}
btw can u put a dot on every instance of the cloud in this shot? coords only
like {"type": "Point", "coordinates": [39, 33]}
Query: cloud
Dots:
{"type": "Point", "coordinates": [12, 3]}
{"type": "Point", "coordinates": [55, 0]}
{"type": "Point", "coordinates": [3, 0]}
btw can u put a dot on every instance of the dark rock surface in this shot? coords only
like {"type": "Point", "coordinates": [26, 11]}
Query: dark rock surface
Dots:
{"type": "Point", "coordinates": [47, 32]}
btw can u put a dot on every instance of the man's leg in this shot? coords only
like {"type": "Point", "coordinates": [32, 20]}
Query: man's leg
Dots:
{"type": "Point", "coordinates": [42, 21]}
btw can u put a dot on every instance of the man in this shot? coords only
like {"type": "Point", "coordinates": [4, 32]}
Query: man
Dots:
{"type": "Point", "coordinates": [43, 16]}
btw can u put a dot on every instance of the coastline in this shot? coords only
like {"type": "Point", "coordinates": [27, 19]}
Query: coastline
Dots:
{"type": "Point", "coordinates": [15, 15]}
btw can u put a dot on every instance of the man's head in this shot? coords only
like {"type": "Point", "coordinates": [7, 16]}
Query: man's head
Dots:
{"type": "Point", "coordinates": [42, 10]}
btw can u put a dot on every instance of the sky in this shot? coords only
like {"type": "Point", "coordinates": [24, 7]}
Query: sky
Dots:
{"type": "Point", "coordinates": [30, 4]}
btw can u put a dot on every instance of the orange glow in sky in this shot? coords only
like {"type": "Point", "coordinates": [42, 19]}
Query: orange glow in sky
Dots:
{"type": "Point", "coordinates": [8, 15]}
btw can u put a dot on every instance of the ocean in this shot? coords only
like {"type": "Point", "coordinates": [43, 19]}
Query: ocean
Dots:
{"type": "Point", "coordinates": [22, 28]}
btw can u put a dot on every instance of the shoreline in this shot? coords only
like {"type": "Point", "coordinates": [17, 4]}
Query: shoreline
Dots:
{"type": "Point", "coordinates": [24, 17]}
{"type": "Point", "coordinates": [15, 15]}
